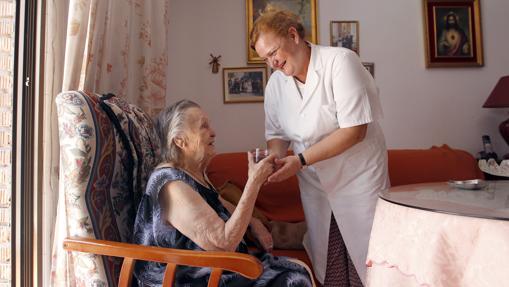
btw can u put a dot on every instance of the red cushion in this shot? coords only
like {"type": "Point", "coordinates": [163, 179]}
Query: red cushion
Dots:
{"type": "Point", "coordinates": [408, 166]}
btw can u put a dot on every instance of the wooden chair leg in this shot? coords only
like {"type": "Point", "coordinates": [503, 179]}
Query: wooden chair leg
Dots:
{"type": "Point", "coordinates": [169, 275]}
{"type": "Point", "coordinates": [215, 275]}
{"type": "Point", "coordinates": [126, 272]}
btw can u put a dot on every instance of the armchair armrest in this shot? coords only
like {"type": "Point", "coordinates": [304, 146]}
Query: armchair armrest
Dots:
{"type": "Point", "coordinates": [247, 265]}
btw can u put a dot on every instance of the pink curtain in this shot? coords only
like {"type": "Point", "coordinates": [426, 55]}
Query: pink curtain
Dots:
{"type": "Point", "coordinates": [104, 46]}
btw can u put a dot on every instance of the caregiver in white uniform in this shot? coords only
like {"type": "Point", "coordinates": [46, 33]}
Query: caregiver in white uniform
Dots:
{"type": "Point", "coordinates": [325, 103]}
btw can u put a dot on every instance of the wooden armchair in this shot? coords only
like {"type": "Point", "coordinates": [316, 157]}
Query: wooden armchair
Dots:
{"type": "Point", "coordinates": [108, 148]}
{"type": "Point", "coordinates": [246, 265]}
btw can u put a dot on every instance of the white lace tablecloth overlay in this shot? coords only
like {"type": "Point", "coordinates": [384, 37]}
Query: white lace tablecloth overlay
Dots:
{"type": "Point", "coordinates": [492, 167]}
{"type": "Point", "coordinates": [415, 247]}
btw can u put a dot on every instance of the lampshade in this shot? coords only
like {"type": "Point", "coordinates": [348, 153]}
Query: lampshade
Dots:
{"type": "Point", "coordinates": [499, 97]}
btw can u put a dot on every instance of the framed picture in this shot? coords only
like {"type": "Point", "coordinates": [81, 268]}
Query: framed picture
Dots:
{"type": "Point", "coordinates": [452, 30]}
{"type": "Point", "coordinates": [345, 34]}
{"type": "Point", "coordinates": [370, 67]}
{"type": "Point", "coordinates": [244, 85]}
{"type": "Point", "coordinates": [306, 9]}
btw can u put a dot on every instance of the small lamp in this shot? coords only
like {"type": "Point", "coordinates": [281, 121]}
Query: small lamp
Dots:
{"type": "Point", "coordinates": [499, 98]}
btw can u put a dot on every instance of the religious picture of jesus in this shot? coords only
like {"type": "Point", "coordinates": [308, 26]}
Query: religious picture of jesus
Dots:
{"type": "Point", "coordinates": [453, 33]}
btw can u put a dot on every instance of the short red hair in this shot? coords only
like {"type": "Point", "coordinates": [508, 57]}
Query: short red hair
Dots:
{"type": "Point", "coordinates": [277, 20]}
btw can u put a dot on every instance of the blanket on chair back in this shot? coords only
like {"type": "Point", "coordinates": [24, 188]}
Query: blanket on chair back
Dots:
{"type": "Point", "coordinates": [108, 149]}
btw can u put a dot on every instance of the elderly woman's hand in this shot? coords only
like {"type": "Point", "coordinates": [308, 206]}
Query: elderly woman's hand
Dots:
{"type": "Point", "coordinates": [259, 172]}
{"type": "Point", "coordinates": [262, 234]}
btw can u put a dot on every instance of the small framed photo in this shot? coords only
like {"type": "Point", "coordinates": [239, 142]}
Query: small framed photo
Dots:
{"type": "Point", "coordinates": [345, 34]}
{"type": "Point", "coordinates": [453, 33]}
{"type": "Point", "coordinates": [244, 85]}
{"type": "Point", "coordinates": [370, 67]}
{"type": "Point", "coordinates": [305, 9]}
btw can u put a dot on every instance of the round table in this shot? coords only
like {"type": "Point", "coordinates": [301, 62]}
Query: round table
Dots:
{"type": "Point", "coordinates": [432, 234]}
{"type": "Point", "coordinates": [490, 202]}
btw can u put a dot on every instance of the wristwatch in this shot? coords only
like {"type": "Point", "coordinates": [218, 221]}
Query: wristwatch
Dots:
{"type": "Point", "coordinates": [302, 159]}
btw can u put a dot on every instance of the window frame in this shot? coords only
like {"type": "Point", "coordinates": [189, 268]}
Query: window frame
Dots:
{"type": "Point", "coordinates": [26, 228]}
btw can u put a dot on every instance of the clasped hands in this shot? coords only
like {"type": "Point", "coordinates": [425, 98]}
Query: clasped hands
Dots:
{"type": "Point", "coordinates": [270, 169]}
{"type": "Point", "coordinates": [283, 168]}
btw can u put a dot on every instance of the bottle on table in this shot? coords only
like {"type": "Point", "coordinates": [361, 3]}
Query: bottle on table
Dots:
{"type": "Point", "coordinates": [487, 151]}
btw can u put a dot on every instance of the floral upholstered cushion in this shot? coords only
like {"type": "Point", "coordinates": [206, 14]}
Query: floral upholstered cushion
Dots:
{"type": "Point", "coordinates": [107, 150]}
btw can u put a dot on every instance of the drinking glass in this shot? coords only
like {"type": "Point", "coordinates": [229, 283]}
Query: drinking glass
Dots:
{"type": "Point", "coordinates": [259, 154]}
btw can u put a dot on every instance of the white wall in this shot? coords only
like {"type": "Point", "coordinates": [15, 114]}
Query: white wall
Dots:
{"type": "Point", "coordinates": [423, 107]}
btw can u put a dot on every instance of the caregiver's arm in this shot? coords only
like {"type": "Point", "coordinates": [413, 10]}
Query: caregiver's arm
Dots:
{"type": "Point", "coordinates": [332, 145]}
{"type": "Point", "coordinates": [279, 147]}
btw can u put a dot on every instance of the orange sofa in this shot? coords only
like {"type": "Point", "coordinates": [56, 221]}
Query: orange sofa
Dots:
{"type": "Point", "coordinates": [281, 201]}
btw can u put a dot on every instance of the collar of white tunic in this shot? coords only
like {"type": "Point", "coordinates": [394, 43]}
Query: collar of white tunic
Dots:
{"type": "Point", "coordinates": [300, 86]}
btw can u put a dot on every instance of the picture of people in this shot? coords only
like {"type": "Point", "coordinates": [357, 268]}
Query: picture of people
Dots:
{"type": "Point", "coordinates": [454, 38]}
{"type": "Point", "coordinates": [244, 84]}
{"type": "Point", "coordinates": [345, 34]}
{"type": "Point", "coordinates": [249, 84]}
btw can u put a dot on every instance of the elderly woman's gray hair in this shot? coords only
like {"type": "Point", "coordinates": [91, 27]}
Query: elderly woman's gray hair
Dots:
{"type": "Point", "coordinates": [170, 123]}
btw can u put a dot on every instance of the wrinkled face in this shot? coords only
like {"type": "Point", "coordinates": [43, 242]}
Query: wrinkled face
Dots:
{"type": "Point", "coordinates": [199, 136]}
{"type": "Point", "coordinates": [280, 53]}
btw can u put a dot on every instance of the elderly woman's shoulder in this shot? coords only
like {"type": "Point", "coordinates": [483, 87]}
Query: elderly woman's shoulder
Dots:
{"type": "Point", "coordinates": [162, 170]}
{"type": "Point", "coordinates": [164, 173]}
{"type": "Point", "coordinates": [164, 165]}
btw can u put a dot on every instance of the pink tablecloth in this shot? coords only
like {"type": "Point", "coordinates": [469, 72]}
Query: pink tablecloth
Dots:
{"type": "Point", "coordinates": [413, 247]}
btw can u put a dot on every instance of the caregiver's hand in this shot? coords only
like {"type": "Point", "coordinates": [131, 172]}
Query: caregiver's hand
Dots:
{"type": "Point", "coordinates": [287, 167]}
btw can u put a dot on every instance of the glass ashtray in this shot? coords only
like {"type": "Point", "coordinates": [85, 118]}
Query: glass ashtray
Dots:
{"type": "Point", "coordinates": [472, 184]}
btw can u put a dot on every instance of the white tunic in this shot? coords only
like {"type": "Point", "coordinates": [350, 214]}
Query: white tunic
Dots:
{"type": "Point", "coordinates": [339, 93]}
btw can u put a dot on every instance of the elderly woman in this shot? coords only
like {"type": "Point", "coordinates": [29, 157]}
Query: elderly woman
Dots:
{"type": "Point", "coordinates": [181, 209]}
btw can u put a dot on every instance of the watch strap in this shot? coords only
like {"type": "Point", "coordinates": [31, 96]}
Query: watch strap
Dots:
{"type": "Point", "coordinates": [302, 159]}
